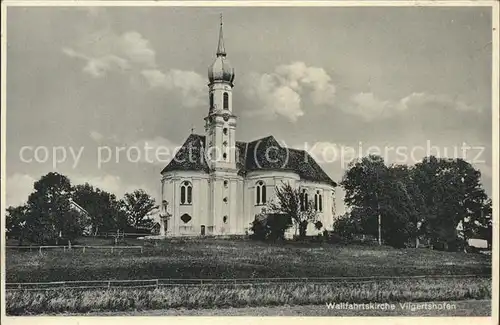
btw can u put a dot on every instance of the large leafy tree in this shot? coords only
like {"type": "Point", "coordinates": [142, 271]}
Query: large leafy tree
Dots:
{"type": "Point", "coordinates": [137, 206]}
{"type": "Point", "coordinates": [104, 209]}
{"type": "Point", "coordinates": [431, 198]}
{"type": "Point", "coordinates": [454, 195]}
{"type": "Point", "coordinates": [373, 191]}
{"type": "Point", "coordinates": [50, 216]}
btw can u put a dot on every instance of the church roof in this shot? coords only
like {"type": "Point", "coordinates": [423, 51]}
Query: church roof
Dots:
{"type": "Point", "coordinates": [190, 156]}
{"type": "Point", "coordinates": [261, 154]}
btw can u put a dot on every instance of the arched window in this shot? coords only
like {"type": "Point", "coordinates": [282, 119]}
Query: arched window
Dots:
{"type": "Point", "coordinates": [226, 100]}
{"type": "Point", "coordinates": [211, 100]}
{"type": "Point", "coordinates": [260, 193]}
{"type": "Point", "coordinates": [304, 200]}
{"type": "Point", "coordinates": [186, 193]}
{"type": "Point", "coordinates": [318, 201]}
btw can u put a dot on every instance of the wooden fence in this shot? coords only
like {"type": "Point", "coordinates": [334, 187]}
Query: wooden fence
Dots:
{"type": "Point", "coordinates": [158, 283]}
{"type": "Point", "coordinates": [82, 247]}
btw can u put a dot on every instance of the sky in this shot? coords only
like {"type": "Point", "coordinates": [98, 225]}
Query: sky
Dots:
{"type": "Point", "coordinates": [94, 92]}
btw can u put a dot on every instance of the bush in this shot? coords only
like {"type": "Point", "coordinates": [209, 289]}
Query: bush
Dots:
{"type": "Point", "coordinates": [332, 237]}
{"type": "Point", "coordinates": [271, 226]}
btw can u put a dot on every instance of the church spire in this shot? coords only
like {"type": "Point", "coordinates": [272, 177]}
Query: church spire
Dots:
{"type": "Point", "coordinates": [221, 51]}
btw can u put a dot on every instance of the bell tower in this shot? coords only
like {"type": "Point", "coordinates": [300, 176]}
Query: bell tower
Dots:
{"type": "Point", "coordinates": [220, 123]}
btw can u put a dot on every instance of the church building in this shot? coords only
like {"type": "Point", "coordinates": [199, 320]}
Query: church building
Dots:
{"type": "Point", "coordinates": [216, 185]}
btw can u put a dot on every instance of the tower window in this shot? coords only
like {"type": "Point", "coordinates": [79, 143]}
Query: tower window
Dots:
{"type": "Point", "coordinates": [186, 193]}
{"type": "Point", "coordinates": [211, 100]}
{"type": "Point", "coordinates": [260, 193]}
{"type": "Point", "coordinates": [224, 156]}
{"type": "Point", "coordinates": [226, 100]}
{"type": "Point", "coordinates": [224, 130]}
{"type": "Point", "coordinates": [224, 219]}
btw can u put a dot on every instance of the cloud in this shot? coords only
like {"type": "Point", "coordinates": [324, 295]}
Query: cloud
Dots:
{"type": "Point", "coordinates": [301, 77]}
{"type": "Point", "coordinates": [190, 84]}
{"type": "Point", "coordinates": [137, 49]}
{"type": "Point", "coordinates": [96, 136]}
{"type": "Point", "coordinates": [417, 100]}
{"type": "Point", "coordinates": [157, 151]}
{"type": "Point", "coordinates": [281, 92]}
{"type": "Point", "coordinates": [100, 66]}
{"type": "Point", "coordinates": [104, 52]}
{"type": "Point", "coordinates": [322, 151]}
{"type": "Point", "coordinates": [370, 107]}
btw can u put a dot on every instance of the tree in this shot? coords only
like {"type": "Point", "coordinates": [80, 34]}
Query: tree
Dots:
{"type": "Point", "coordinates": [363, 183]}
{"type": "Point", "coordinates": [453, 195]}
{"type": "Point", "coordinates": [15, 222]}
{"type": "Point", "coordinates": [288, 202]}
{"type": "Point", "coordinates": [50, 216]}
{"type": "Point", "coordinates": [137, 205]}
{"type": "Point", "coordinates": [485, 223]}
{"type": "Point", "coordinates": [384, 201]}
{"type": "Point", "coordinates": [104, 209]}
{"type": "Point", "coordinates": [346, 226]}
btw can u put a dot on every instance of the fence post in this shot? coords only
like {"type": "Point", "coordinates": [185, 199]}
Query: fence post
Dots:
{"type": "Point", "coordinates": [40, 249]}
{"type": "Point", "coordinates": [111, 249]}
{"type": "Point", "coordinates": [109, 284]}
{"type": "Point", "coordinates": [84, 249]}
{"type": "Point", "coordinates": [157, 283]}
{"type": "Point", "coordinates": [141, 249]}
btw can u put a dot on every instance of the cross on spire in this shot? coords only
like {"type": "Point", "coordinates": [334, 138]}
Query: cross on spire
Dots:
{"type": "Point", "coordinates": [221, 51]}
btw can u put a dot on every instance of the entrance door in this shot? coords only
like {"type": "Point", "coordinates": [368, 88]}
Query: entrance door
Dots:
{"type": "Point", "coordinates": [203, 230]}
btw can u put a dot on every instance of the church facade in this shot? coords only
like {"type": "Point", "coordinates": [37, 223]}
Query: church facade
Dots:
{"type": "Point", "coordinates": [216, 185]}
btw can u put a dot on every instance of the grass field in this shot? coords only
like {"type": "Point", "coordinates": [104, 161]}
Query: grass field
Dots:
{"type": "Point", "coordinates": [224, 296]}
{"type": "Point", "coordinates": [229, 259]}
{"type": "Point", "coordinates": [217, 258]}
{"type": "Point", "coordinates": [461, 308]}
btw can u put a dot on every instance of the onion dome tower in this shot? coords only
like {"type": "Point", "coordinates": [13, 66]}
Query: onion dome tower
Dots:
{"type": "Point", "coordinates": [220, 124]}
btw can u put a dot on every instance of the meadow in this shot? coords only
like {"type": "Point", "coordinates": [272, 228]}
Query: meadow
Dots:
{"type": "Point", "coordinates": [217, 258]}
{"type": "Point", "coordinates": [239, 259]}
{"type": "Point", "coordinates": [225, 296]}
